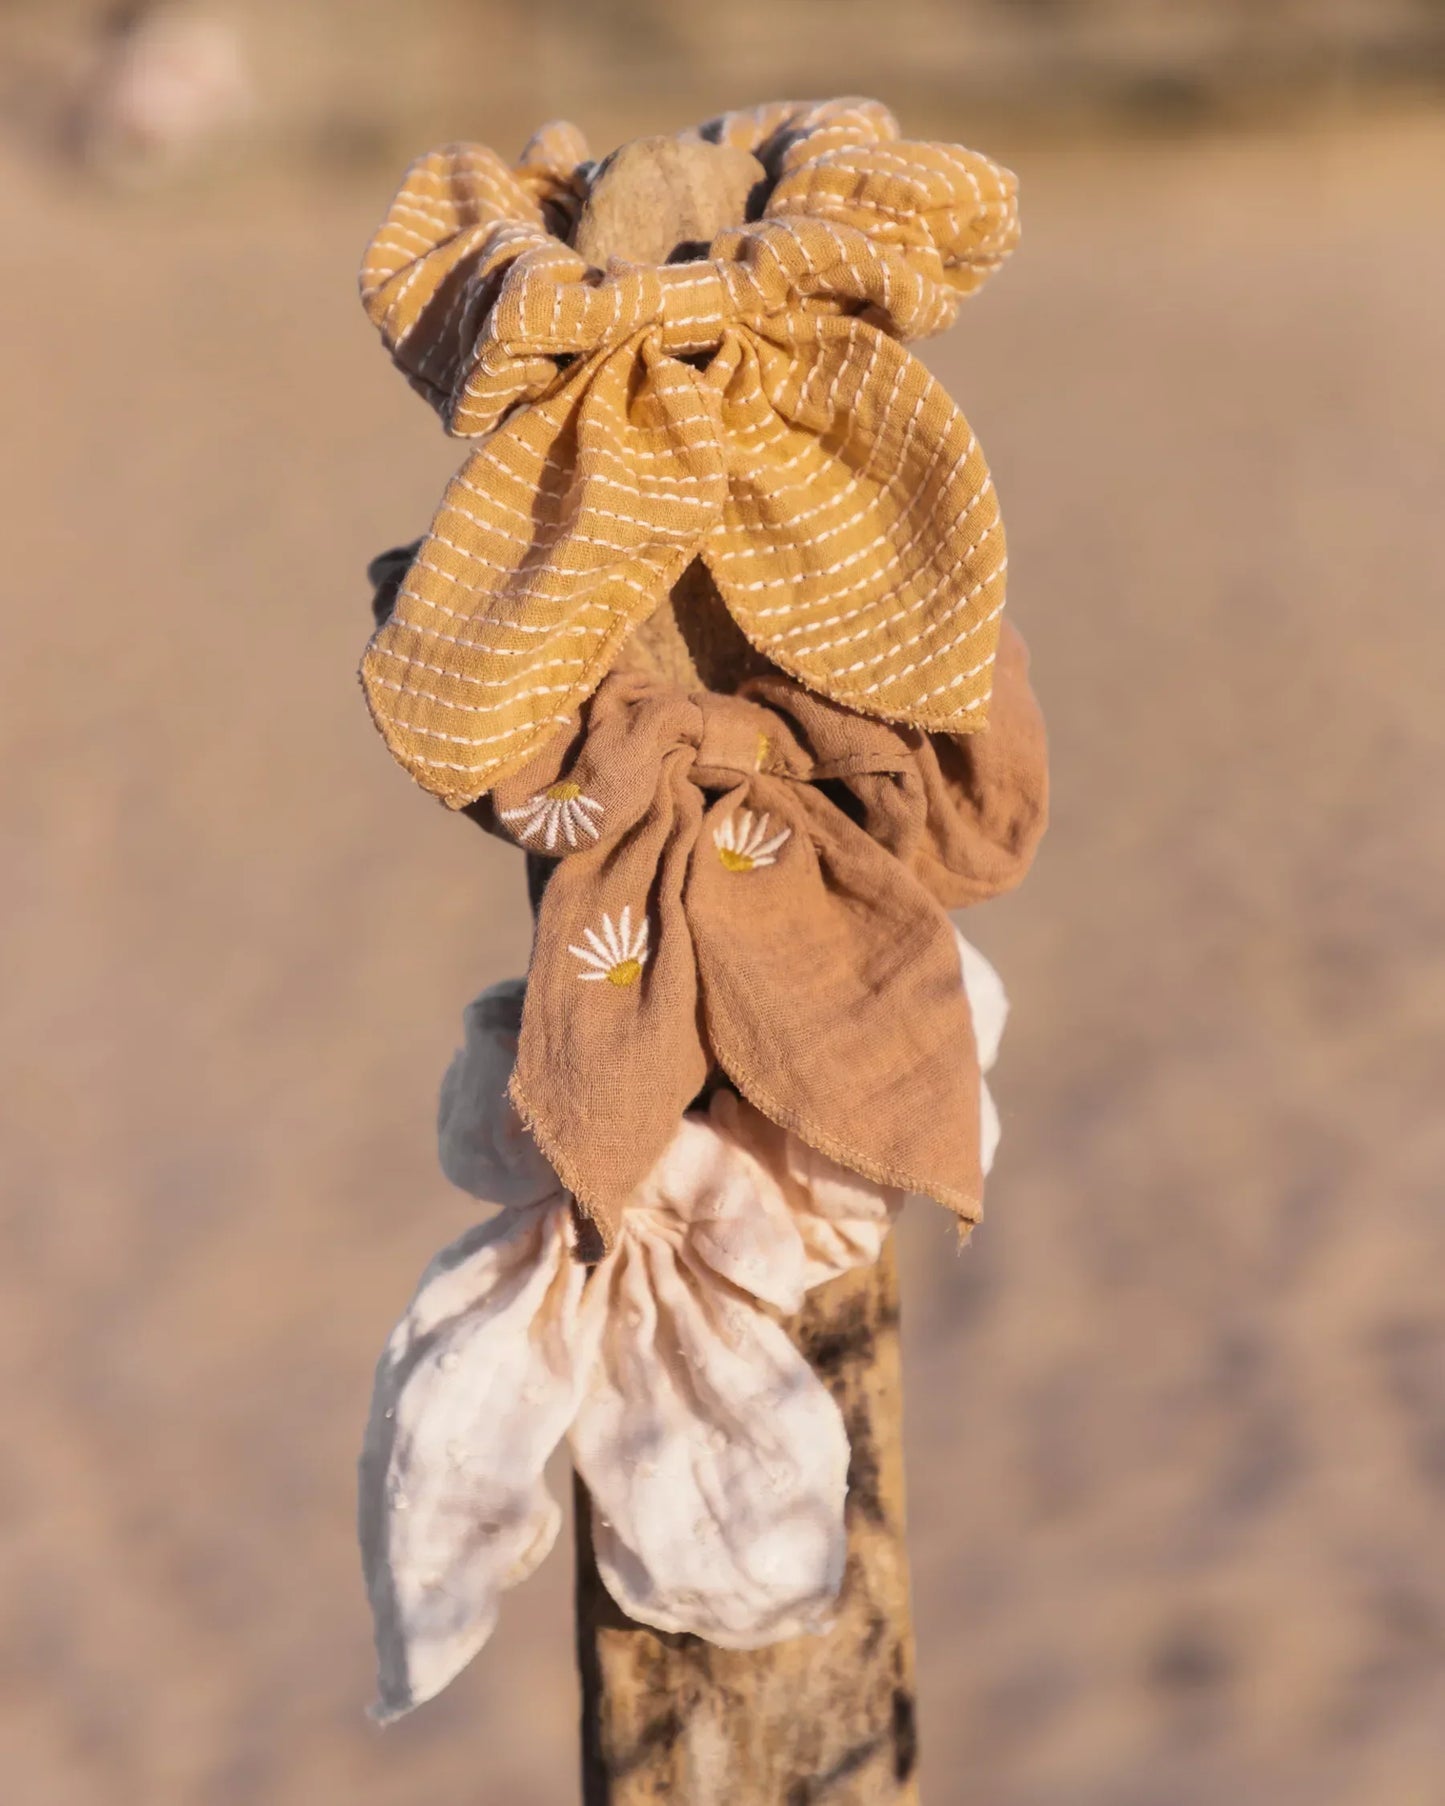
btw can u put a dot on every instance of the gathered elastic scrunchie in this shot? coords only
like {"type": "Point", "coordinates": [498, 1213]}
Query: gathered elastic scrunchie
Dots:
{"type": "Point", "coordinates": [752, 407]}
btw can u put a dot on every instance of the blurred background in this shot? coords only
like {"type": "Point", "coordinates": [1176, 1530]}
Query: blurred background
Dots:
{"type": "Point", "coordinates": [1176, 1419]}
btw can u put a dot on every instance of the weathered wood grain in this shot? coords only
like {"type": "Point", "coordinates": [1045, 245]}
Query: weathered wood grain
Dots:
{"type": "Point", "coordinates": [660, 200]}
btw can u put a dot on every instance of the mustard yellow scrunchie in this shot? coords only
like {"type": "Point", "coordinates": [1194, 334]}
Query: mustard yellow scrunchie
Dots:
{"type": "Point", "coordinates": [754, 408]}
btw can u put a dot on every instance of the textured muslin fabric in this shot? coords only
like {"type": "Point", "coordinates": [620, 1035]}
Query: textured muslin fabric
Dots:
{"type": "Point", "coordinates": [716, 1459]}
{"type": "Point", "coordinates": [759, 883]}
{"type": "Point", "coordinates": [488, 1152]}
{"type": "Point", "coordinates": [753, 407]}
{"type": "Point", "coordinates": [476, 1388]}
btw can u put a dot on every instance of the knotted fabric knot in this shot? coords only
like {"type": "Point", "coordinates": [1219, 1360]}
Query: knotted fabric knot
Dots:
{"type": "Point", "coordinates": [753, 407]}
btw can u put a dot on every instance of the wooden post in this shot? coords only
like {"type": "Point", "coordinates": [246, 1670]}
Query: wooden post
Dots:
{"type": "Point", "coordinates": [816, 1721]}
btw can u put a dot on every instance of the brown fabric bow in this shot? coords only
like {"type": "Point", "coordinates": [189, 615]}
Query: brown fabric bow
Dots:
{"type": "Point", "coordinates": [751, 407]}
{"type": "Point", "coordinates": [759, 882]}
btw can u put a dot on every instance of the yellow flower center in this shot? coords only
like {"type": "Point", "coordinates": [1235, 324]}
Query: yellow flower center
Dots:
{"type": "Point", "coordinates": [736, 862]}
{"type": "Point", "coordinates": [565, 792]}
{"type": "Point", "coordinates": [625, 972]}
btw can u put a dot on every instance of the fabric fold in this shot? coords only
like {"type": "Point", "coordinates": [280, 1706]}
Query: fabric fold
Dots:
{"type": "Point", "coordinates": [477, 1386]}
{"type": "Point", "coordinates": [832, 997]}
{"type": "Point", "coordinates": [888, 599]}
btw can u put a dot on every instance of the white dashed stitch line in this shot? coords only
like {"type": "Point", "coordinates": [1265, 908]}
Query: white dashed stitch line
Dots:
{"type": "Point", "coordinates": [567, 575]}
{"type": "Point", "coordinates": [438, 225]}
{"type": "Point", "coordinates": [471, 616]}
{"type": "Point", "coordinates": [489, 683]}
{"type": "Point", "coordinates": [474, 766]}
{"type": "Point", "coordinates": [562, 535]}
{"type": "Point", "coordinates": [432, 733]}
{"type": "Point", "coordinates": [548, 463]}
{"type": "Point", "coordinates": [413, 276]}
{"type": "Point", "coordinates": [395, 226]}
{"type": "Point", "coordinates": [965, 633]}
{"type": "Point", "coordinates": [630, 520]}
{"type": "Point", "coordinates": [470, 708]}
{"type": "Point", "coordinates": [898, 554]}
{"type": "Point", "coordinates": [909, 165]}
{"type": "Point", "coordinates": [790, 633]}
{"type": "Point", "coordinates": [572, 630]}
{"type": "Point", "coordinates": [952, 684]}
{"type": "Point", "coordinates": [895, 647]}
{"type": "Point", "coordinates": [869, 505]}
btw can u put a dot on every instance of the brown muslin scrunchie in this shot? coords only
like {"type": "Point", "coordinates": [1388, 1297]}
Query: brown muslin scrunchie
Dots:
{"type": "Point", "coordinates": [759, 882]}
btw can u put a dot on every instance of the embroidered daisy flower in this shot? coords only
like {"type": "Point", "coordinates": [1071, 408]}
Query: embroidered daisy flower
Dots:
{"type": "Point", "coordinates": [617, 954]}
{"type": "Point", "coordinates": [742, 842]}
{"type": "Point", "coordinates": [561, 810]}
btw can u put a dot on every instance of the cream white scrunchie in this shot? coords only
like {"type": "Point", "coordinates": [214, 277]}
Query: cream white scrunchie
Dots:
{"type": "Point", "coordinates": [716, 1460]}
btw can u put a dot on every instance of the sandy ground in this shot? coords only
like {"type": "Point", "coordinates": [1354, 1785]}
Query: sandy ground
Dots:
{"type": "Point", "coordinates": [1176, 1419]}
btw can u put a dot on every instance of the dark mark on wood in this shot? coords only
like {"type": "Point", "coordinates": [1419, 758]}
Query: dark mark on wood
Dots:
{"type": "Point", "coordinates": [864, 1476]}
{"type": "Point", "coordinates": [849, 1339]}
{"type": "Point", "coordinates": [905, 1734]}
{"type": "Point", "coordinates": [819, 1789]}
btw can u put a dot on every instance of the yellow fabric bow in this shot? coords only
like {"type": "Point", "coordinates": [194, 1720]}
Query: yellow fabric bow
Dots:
{"type": "Point", "coordinates": [753, 408]}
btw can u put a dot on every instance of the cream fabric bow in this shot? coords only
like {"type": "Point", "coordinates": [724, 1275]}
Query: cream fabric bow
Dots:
{"type": "Point", "coordinates": [716, 1460]}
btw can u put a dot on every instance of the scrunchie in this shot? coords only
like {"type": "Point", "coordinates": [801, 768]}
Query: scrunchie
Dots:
{"type": "Point", "coordinates": [752, 407]}
{"type": "Point", "coordinates": [759, 883]}
{"type": "Point", "coordinates": [716, 1461]}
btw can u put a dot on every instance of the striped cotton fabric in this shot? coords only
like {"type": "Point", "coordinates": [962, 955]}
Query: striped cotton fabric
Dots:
{"type": "Point", "coordinates": [754, 408]}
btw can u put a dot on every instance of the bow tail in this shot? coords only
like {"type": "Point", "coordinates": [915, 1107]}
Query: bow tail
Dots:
{"type": "Point", "coordinates": [716, 1460]}
{"type": "Point", "coordinates": [558, 536]}
{"type": "Point", "coordinates": [832, 997]}
{"type": "Point", "coordinates": [861, 547]}
{"type": "Point", "coordinates": [610, 1055]}
{"type": "Point", "coordinates": [475, 1389]}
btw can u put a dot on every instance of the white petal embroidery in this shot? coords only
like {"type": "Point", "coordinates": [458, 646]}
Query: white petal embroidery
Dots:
{"type": "Point", "coordinates": [560, 812]}
{"type": "Point", "coordinates": [743, 844]}
{"type": "Point", "coordinates": [617, 954]}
